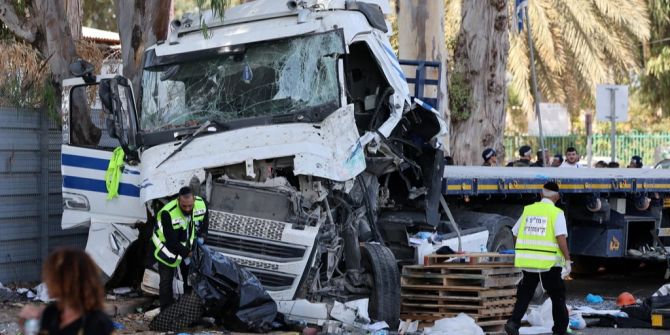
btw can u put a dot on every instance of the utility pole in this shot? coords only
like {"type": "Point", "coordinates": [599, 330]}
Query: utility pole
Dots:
{"type": "Point", "coordinates": [534, 82]}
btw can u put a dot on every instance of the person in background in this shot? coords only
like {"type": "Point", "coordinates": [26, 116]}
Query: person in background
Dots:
{"type": "Point", "coordinates": [448, 160]}
{"type": "Point", "coordinates": [73, 280]}
{"type": "Point", "coordinates": [557, 160]}
{"type": "Point", "coordinates": [541, 252]}
{"type": "Point", "coordinates": [635, 162]}
{"type": "Point", "coordinates": [490, 157]}
{"type": "Point", "coordinates": [601, 164]}
{"type": "Point", "coordinates": [613, 165]}
{"type": "Point", "coordinates": [542, 160]}
{"type": "Point", "coordinates": [524, 157]}
{"type": "Point", "coordinates": [571, 158]}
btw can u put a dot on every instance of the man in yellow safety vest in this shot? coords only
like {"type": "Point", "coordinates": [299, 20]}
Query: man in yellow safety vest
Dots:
{"type": "Point", "coordinates": [177, 225]}
{"type": "Point", "coordinates": [541, 251]}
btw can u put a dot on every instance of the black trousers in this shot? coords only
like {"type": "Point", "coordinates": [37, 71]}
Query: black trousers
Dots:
{"type": "Point", "coordinates": [166, 274]}
{"type": "Point", "coordinates": [553, 284]}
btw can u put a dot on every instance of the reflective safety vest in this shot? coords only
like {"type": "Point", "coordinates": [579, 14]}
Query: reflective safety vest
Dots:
{"type": "Point", "coordinates": [536, 244]}
{"type": "Point", "coordinates": [184, 227]}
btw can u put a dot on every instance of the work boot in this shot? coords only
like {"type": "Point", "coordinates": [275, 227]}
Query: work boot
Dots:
{"type": "Point", "coordinates": [511, 328]}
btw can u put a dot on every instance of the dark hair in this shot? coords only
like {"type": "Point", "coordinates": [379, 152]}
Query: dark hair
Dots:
{"type": "Point", "coordinates": [74, 280]}
{"type": "Point", "coordinates": [525, 150]}
{"type": "Point", "coordinates": [570, 149]}
{"type": "Point", "coordinates": [551, 186]}
{"type": "Point", "coordinates": [448, 160]}
{"type": "Point", "coordinates": [185, 191]}
{"type": "Point", "coordinates": [559, 157]}
{"type": "Point", "coordinates": [613, 165]}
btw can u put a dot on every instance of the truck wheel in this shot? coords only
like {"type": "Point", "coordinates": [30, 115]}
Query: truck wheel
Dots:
{"type": "Point", "coordinates": [379, 261]}
{"type": "Point", "coordinates": [503, 240]}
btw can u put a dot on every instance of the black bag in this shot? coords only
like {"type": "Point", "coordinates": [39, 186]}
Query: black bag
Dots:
{"type": "Point", "coordinates": [230, 293]}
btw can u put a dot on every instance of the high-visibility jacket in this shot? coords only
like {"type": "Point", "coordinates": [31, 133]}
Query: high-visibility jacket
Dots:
{"type": "Point", "coordinates": [536, 243]}
{"type": "Point", "coordinates": [184, 227]}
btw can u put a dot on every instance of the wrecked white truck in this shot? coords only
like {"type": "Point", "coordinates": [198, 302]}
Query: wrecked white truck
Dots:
{"type": "Point", "coordinates": [294, 121]}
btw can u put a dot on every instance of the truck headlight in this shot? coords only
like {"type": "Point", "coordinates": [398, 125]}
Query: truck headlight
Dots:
{"type": "Point", "coordinates": [74, 201]}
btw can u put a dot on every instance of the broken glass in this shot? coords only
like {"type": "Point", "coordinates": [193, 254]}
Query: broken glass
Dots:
{"type": "Point", "coordinates": [270, 78]}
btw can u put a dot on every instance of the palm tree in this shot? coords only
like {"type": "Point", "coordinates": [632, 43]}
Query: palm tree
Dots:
{"type": "Point", "coordinates": [579, 44]}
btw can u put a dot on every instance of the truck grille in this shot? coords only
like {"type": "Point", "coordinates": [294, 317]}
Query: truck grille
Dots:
{"type": "Point", "coordinates": [246, 225]}
{"type": "Point", "coordinates": [261, 249]}
{"type": "Point", "coordinates": [273, 281]}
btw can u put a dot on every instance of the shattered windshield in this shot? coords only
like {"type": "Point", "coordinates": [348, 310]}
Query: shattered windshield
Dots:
{"type": "Point", "coordinates": [269, 78]}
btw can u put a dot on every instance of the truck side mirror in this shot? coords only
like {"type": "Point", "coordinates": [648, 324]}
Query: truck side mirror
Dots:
{"type": "Point", "coordinates": [116, 98]}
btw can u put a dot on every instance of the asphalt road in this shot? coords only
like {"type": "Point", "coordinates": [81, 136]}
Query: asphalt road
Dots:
{"type": "Point", "coordinates": [641, 282]}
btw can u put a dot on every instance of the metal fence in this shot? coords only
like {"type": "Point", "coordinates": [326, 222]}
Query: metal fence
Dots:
{"type": "Point", "coordinates": [650, 147]}
{"type": "Point", "coordinates": [30, 195]}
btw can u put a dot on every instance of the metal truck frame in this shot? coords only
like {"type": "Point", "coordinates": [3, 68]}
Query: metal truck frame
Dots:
{"type": "Point", "coordinates": [294, 120]}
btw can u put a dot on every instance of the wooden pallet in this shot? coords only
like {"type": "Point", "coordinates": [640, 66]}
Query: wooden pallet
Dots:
{"type": "Point", "coordinates": [481, 285]}
{"type": "Point", "coordinates": [478, 260]}
{"type": "Point", "coordinates": [449, 277]}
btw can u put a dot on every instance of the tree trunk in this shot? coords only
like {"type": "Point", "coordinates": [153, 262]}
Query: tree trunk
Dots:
{"type": "Point", "coordinates": [75, 13]}
{"type": "Point", "coordinates": [141, 24]}
{"type": "Point", "coordinates": [480, 60]}
{"type": "Point", "coordinates": [421, 36]}
{"type": "Point", "coordinates": [48, 30]}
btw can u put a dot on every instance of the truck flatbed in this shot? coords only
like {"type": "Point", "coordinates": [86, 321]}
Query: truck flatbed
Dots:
{"type": "Point", "coordinates": [481, 180]}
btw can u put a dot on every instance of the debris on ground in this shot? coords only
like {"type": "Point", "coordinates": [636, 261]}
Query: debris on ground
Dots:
{"type": "Point", "coordinates": [594, 299]}
{"type": "Point", "coordinates": [462, 324]}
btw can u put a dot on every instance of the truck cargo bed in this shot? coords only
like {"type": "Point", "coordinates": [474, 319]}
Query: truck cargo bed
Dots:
{"type": "Point", "coordinates": [477, 180]}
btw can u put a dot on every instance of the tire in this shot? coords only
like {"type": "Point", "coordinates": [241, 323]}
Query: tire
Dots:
{"type": "Point", "coordinates": [379, 261]}
{"type": "Point", "coordinates": [503, 240]}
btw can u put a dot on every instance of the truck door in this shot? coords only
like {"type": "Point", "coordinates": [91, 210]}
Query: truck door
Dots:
{"type": "Point", "coordinates": [90, 135]}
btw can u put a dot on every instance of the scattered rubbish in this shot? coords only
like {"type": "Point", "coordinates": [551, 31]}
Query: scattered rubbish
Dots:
{"type": "Point", "coordinates": [462, 324]}
{"type": "Point", "coordinates": [152, 313]}
{"type": "Point", "coordinates": [110, 297]}
{"type": "Point", "coordinates": [577, 322]}
{"type": "Point", "coordinates": [377, 326]}
{"type": "Point", "coordinates": [122, 290]}
{"type": "Point", "coordinates": [303, 310]}
{"type": "Point", "coordinates": [332, 327]}
{"type": "Point", "coordinates": [406, 327]}
{"type": "Point", "coordinates": [625, 299]}
{"type": "Point", "coordinates": [22, 290]}
{"type": "Point", "coordinates": [353, 313]}
{"type": "Point", "coordinates": [41, 293]}
{"type": "Point", "coordinates": [594, 299]}
{"type": "Point", "coordinates": [30, 295]}
{"type": "Point", "coordinates": [541, 316]}
{"type": "Point", "coordinates": [118, 325]}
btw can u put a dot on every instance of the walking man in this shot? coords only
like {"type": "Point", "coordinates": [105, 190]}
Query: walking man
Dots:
{"type": "Point", "coordinates": [174, 233]}
{"type": "Point", "coordinates": [542, 253]}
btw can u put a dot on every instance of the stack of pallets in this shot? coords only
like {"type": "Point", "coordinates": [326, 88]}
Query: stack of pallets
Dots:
{"type": "Point", "coordinates": [482, 285]}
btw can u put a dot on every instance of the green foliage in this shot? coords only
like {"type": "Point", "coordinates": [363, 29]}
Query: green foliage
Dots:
{"type": "Point", "coordinates": [100, 14]}
{"type": "Point", "coordinates": [460, 97]}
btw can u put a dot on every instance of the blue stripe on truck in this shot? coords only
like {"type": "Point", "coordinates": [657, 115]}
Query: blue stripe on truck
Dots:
{"type": "Point", "coordinates": [97, 185]}
{"type": "Point", "coordinates": [89, 163]}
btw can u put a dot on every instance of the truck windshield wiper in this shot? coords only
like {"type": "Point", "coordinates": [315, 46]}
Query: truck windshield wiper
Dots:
{"type": "Point", "coordinates": [187, 140]}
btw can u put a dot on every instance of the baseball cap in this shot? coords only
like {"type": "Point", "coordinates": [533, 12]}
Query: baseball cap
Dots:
{"type": "Point", "coordinates": [488, 153]}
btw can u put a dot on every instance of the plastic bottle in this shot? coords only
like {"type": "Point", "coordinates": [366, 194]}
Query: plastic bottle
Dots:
{"type": "Point", "coordinates": [31, 327]}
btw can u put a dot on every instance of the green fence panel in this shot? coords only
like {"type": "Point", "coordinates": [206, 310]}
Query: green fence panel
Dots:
{"type": "Point", "coordinates": [628, 145]}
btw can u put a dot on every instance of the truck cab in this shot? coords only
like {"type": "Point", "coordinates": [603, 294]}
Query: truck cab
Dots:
{"type": "Point", "coordinates": [293, 120]}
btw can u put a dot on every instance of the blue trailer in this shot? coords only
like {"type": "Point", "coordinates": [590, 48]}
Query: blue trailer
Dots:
{"type": "Point", "coordinates": [611, 213]}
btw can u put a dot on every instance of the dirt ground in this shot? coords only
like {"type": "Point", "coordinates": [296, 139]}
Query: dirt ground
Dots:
{"type": "Point", "coordinates": [640, 282]}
